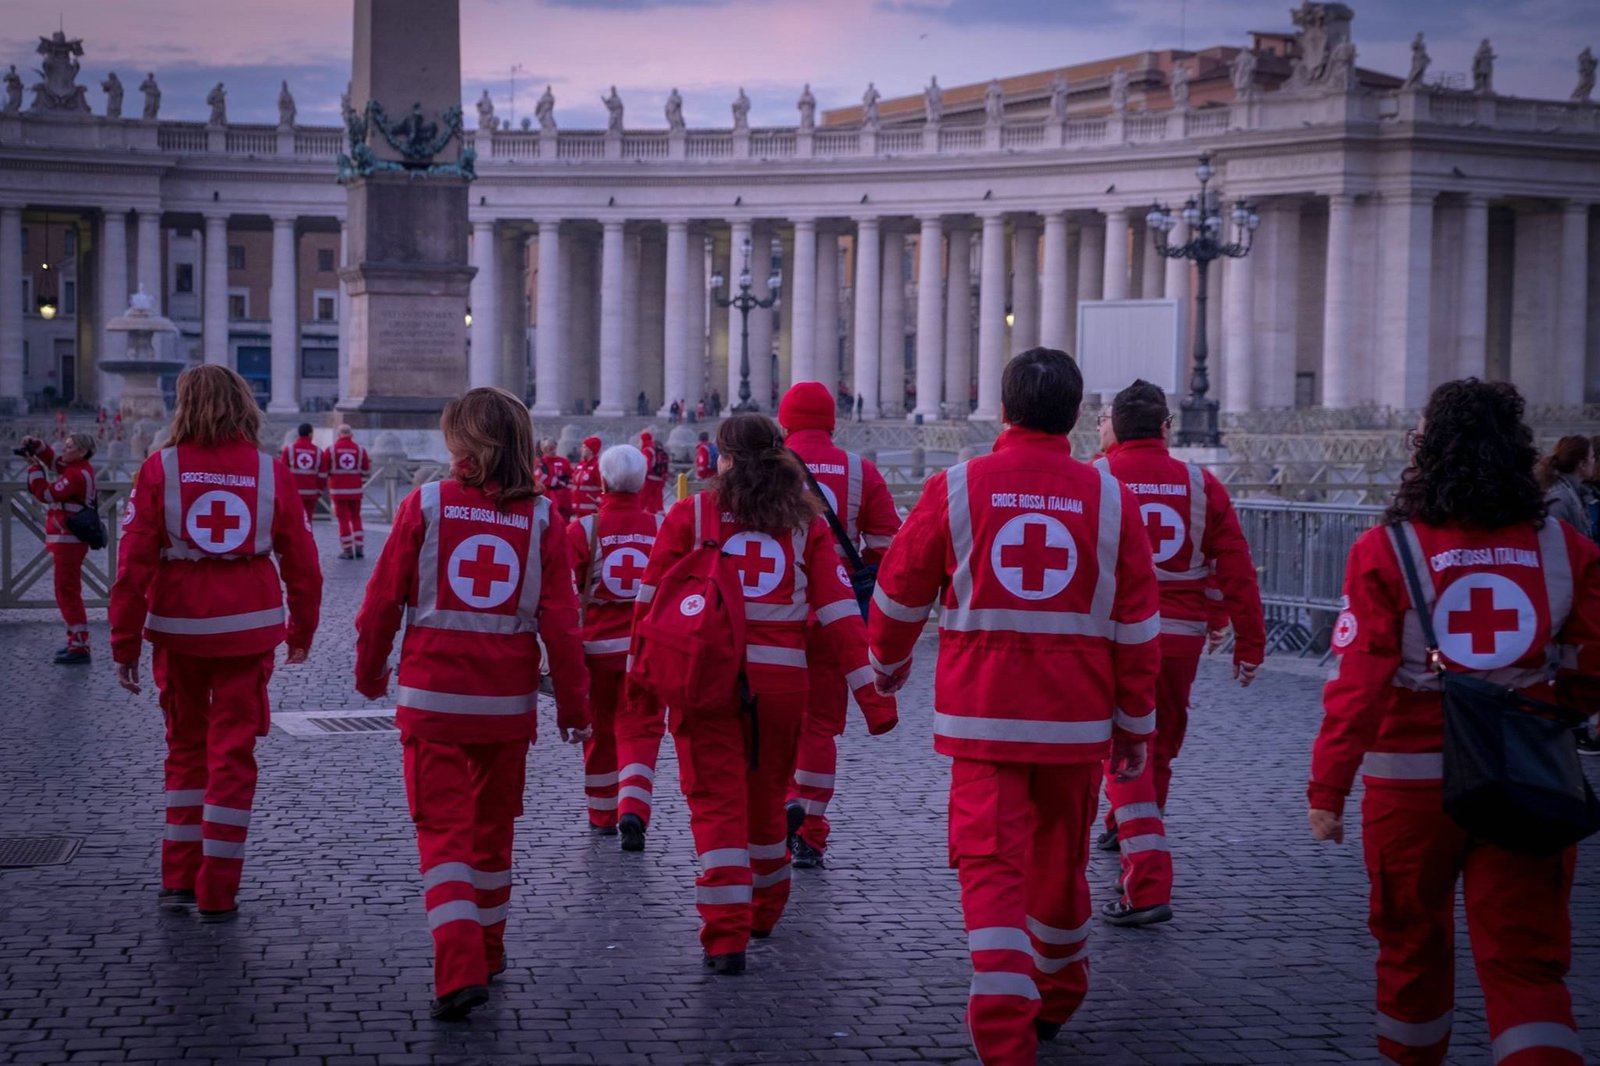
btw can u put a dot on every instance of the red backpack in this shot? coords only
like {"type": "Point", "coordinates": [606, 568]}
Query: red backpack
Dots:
{"type": "Point", "coordinates": [689, 647]}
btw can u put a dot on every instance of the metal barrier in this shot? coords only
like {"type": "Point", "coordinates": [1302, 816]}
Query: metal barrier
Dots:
{"type": "Point", "coordinates": [25, 565]}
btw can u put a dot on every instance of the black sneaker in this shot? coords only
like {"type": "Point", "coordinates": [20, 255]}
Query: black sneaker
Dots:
{"type": "Point", "coordinates": [760, 934]}
{"type": "Point", "coordinates": [72, 657]}
{"type": "Point", "coordinates": [219, 917]}
{"type": "Point", "coordinates": [1117, 912]}
{"type": "Point", "coordinates": [1588, 745]}
{"type": "Point", "coordinates": [729, 965]}
{"type": "Point", "coordinates": [795, 814]}
{"type": "Point", "coordinates": [603, 830]}
{"type": "Point", "coordinates": [360, 554]}
{"type": "Point", "coordinates": [631, 827]}
{"type": "Point", "coordinates": [1046, 1031]}
{"type": "Point", "coordinates": [175, 900]}
{"type": "Point", "coordinates": [807, 857]}
{"type": "Point", "coordinates": [1107, 841]}
{"type": "Point", "coordinates": [347, 554]}
{"type": "Point", "coordinates": [458, 1004]}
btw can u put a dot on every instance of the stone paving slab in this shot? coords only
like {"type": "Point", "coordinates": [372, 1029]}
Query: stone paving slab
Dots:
{"type": "Point", "coordinates": [1268, 961]}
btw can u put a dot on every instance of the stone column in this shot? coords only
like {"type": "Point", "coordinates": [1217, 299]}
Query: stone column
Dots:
{"type": "Point", "coordinates": [1403, 286]}
{"type": "Point", "coordinates": [1235, 358]}
{"type": "Point", "coordinates": [1091, 262]}
{"type": "Point", "coordinates": [1277, 312]}
{"type": "Point", "coordinates": [549, 349]}
{"type": "Point", "coordinates": [613, 305]}
{"type": "Point", "coordinates": [892, 335]}
{"type": "Point", "coordinates": [867, 305]}
{"type": "Point", "coordinates": [638, 303]}
{"type": "Point", "coordinates": [113, 298]}
{"type": "Point", "coordinates": [761, 321]}
{"type": "Point", "coordinates": [484, 297]}
{"type": "Point", "coordinates": [12, 384]}
{"type": "Point", "coordinates": [1053, 297]}
{"type": "Point", "coordinates": [1175, 285]}
{"type": "Point", "coordinates": [958, 324]}
{"type": "Point", "coordinates": [149, 278]}
{"type": "Point", "coordinates": [991, 318]}
{"type": "Point", "coordinates": [801, 304]}
{"type": "Point", "coordinates": [284, 307]}
{"type": "Point", "coordinates": [1472, 320]}
{"type": "Point", "coordinates": [1024, 285]}
{"type": "Point", "coordinates": [1116, 261]}
{"type": "Point", "coordinates": [1572, 314]}
{"type": "Point", "coordinates": [825, 361]}
{"type": "Point", "coordinates": [694, 382]}
{"type": "Point", "coordinates": [1339, 367]}
{"type": "Point", "coordinates": [783, 322]}
{"type": "Point", "coordinates": [344, 312]}
{"type": "Point", "coordinates": [722, 339]}
{"type": "Point", "coordinates": [214, 297]}
{"type": "Point", "coordinates": [739, 236]}
{"type": "Point", "coordinates": [675, 316]}
{"type": "Point", "coordinates": [930, 318]}
{"type": "Point", "coordinates": [1150, 281]}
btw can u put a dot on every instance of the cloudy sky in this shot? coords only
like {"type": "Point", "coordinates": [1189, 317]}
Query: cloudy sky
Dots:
{"type": "Point", "coordinates": [709, 48]}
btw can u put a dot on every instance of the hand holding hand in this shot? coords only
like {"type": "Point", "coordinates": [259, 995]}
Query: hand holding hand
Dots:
{"type": "Point", "coordinates": [1127, 759]}
{"type": "Point", "coordinates": [1325, 825]}
{"type": "Point", "coordinates": [888, 686]}
{"type": "Point", "coordinates": [1245, 673]}
{"type": "Point", "coordinates": [128, 677]}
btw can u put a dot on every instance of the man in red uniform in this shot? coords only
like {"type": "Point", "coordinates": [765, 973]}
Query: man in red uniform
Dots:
{"type": "Point", "coordinates": [304, 460]}
{"type": "Point", "coordinates": [655, 477]}
{"type": "Point", "coordinates": [1193, 534]}
{"type": "Point", "coordinates": [1047, 664]}
{"type": "Point", "coordinates": [855, 491]}
{"type": "Point", "coordinates": [557, 471]}
{"type": "Point", "coordinates": [347, 464]}
{"type": "Point", "coordinates": [609, 553]}
{"type": "Point", "coordinates": [705, 458]}
{"type": "Point", "coordinates": [586, 482]}
{"type": "Point", "coordinates": [69, 491]}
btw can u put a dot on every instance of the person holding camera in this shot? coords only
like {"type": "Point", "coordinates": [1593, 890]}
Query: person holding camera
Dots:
{"type": "Point", "coordinates": [64, 483]}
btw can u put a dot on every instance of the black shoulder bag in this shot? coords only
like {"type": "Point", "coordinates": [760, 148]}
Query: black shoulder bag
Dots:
{"type": "Point", "coordinates": [1511, 770]}
{"type": "Point", "coordinates": [863, 575]}
{"type": "Point", "coordinates": [85, 524]}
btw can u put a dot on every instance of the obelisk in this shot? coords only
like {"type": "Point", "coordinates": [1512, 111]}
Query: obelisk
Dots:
{"type": "Point", "coordinates": [406, 266]}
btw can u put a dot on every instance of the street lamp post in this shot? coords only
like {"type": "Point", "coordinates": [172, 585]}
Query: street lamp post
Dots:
{"type": "Point", "coordinates": [1197, 421]}
{"type": "Point", "coordinates": [745, 301]}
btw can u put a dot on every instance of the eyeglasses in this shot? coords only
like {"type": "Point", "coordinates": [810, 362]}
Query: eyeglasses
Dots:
{"type": "Point", "coordinates": [1105, 416]}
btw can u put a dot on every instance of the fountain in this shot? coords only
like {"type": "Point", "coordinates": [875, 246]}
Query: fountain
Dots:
{"type": "Point", "coordinates": [142, 369]}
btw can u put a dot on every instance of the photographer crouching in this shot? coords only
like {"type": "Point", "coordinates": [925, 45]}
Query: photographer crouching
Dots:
{"type": "Point", "coordinates": [65, 483]}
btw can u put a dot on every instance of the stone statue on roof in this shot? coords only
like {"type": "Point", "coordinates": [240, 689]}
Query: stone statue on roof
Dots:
{"type": "Point", "coordinates": [1419, 63]}
{"type": "Point", "coordinates": [741, 111]}
{"type": "Point", "coordinates": [1323, 28]}
{"type": "Point", "coordinates": [1243, 70]}
{"type": "Point", "coordinates": [112, 87]}
{"type": "Point", "coordinates": [60, 91]}
{"type": "Point", "coordinates": [286, 109]}
{"type": "Point", "coordinates": [1058, 98]}
{"type": "Point", "coordinates": [486, 116]}
{"type": "Point", "coordinates": [1180, 87]}
{"type": "Point", "coordinates": [808, 108]}
{"type": "Point", "coordinates": [217, 98]}
{"type": "Point", "coordinates": [675, 111]}
{"type": "Point", "coordinates": [994, 103]}
{"type": "Point", "coordinates": [152, 96]}
{"type": "Point", "coordinates": [1119, 90]}
{"type": "Point", "coordinates": [1483, 69]}
{"type": "Point", "coordinates": [1586, 67]}
{"type": "Point", "coordinates": [869, 107]}
{"type": "Point", "coordinates": [613, 111]}
{"type": "Point", "coordinates": [13, 91]}
{"type": "Point", "coordinates": [933, 101]}
{"type": "Point", "coordinates": [545, 110]}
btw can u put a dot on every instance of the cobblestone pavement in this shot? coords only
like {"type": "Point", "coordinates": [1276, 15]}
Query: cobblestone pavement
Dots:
{"type": "Point", "coordinates": [1268, 960]}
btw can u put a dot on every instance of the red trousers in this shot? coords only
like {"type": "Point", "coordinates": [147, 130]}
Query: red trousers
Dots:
{"type": "Point", "coordinates": [1517, 917]}
{"type": "Point", "coordinates": [310, 504]}
{"type": "Point", "coordinates": [464, 801]}
{"type": "Point", "coordinates": [607, 687]}
{"type": "Point", "coordinates": [1146, 856]}
{"type": "Point", "coordinates": [639, 726]}
{"type": "Point", "coordinates": [817, 761]}
{"type": "Point", "coordinates": [1019, 841]}
{"type": "Point", "coordinates": [348, 510]}
{"type": "Point", "coordinates": [68, 568]}
{"type": "Point", "coordinates": [214, 709]}
{"type": "Point", "coordinates": [1180, 658]}
{"type": "Point", "coordinates": [736, 814]}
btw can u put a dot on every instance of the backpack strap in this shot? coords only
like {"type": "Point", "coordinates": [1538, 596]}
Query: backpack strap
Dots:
{"type": "Point", "coordinates": [1400, 536]}
{"type": "Point", "coordinates": [839, 534]}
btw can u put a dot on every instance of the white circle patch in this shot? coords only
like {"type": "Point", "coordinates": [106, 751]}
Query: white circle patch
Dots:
{"type": "Point", "coordinates": [1484, 621]}
{"type": "Point", "coordinates": [1344, 630]}
{"type": "Point", "coordinates": [347, 460]}
{"type": "Point", "coordinates": [691, 606]}
{"type": "Point", "coordinates": [1165, 529]}
{"type": "Point", "coordinates": [219, 521]}
{"type": "Point", "coordinates": [128, 510]}
{"type": "Point", "coordinates": [1034, 556]}
{"type": "Point", "coordinates": [622, 571]}
{"type": "Point", "coordinates": [759, 560]}
{"type": "Point", "coordinates": [304, 460]}
{"type": "Point", "coordinates": [844, 578]}
{"type": "Point", "coordinates": [483, 571]}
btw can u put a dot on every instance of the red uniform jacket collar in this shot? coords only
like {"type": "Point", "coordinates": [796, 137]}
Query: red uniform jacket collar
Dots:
{"type": "Point", "coordinates": [621, 501]}
{"type": "Point", "coordinates": [1033, 439]}
{"type": "Point", "coordinates": [809, 438]}
{"type": "Point", "coordinates": [1149, 444]}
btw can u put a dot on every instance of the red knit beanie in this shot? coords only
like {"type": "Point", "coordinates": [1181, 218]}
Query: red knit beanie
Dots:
{"type": "Point", "coordinates": [593, 444]}
{"type": "Point", "coordinates": [807, 405]}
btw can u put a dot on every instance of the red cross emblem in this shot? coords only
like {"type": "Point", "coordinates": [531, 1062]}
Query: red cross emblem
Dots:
{"type": "Point", "coordinates": [218, 521]}
{"type": "Point", "coordinates": [622, 572]}
{"type": "Point", "coordinates": [1344, 630]}
{"type": "Point", "coordinates": [304, 460]}
{"type": "Point", "coordinates": [1164, 526]}
{"type": "Point", "coordinates": [760, 562]}
{"type": "Point", "coordinates": [483, 571]}
{"type": "Point", "coordinates": [1484, 621]}
{"type": "Point", "coordinates": [1034, 556]}
{"type": "Point", "coordinates": [347, 460]}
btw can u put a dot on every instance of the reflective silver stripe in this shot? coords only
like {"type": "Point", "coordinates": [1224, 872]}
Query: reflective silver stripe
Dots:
{"type": "Point", "coordinates": [427, 611]}
{"type": "Point", "coordinates": [454, 910]}
{"type": "Point", "coordinates": [999, 938]}
{"type": "Point", "coordinates": [1183, 627]}
{"type": "Point", "coordinates": [1020, 731]}
{"type": "Point", "coordinates": [960, 619]}
{"type": "Point", "coordinates": [266, 493]}
{"type": "Point", "coordinates": [172, 504]}
{"type": "Point", "coordinates": [899, 611]}
{"type": "Point", "coordinates": [434, 876]}
{"type": "Point", "coordinates": [1132, 812]}
{"type": "Point", "coordinates": [603, 803]}
{"type": "Point", "coordinates": [723, 894]}
{"type": "Point", "coordinates": [645, 594]}
{"type": "Point", "coordinates": [226, 815]}
{"type": "Point", "coordinates": [814, 807]}
{"type": "Point", "coordinates": [1557, 569]}
{"type": "Point", "coordinates": [1197, 518]}
{"type": "Point", "coordinates": [222, 623]}
{"type": "Point", "coordinates": [532, 571]}
{"type": "Point", "coordinates": [636, 769]}
{"type": "Point", "coordinates": [776, 877]}
{"type": "Point", "coordinates": [1414, 1034]}
{"type": "Point", "coordinates": [1140, 724]}
{"type": "Point", "coordinates": [776, 612]}
{"type": "Point", "coordinates": [806, 777]}
{"type": "Point", "coordinates": [1404, 766]}
{"type": "Point", "coordinates": [1199, 573]}
{"type": "Point", "coordinates": [1102, 464]}
{"type": "Point", "coordinates": [599, 780]}
{"type": "Point", "coordinates": [182, 834]}
{"type": "Point", "coordinates": [1004, 984]}
{"type": "Point", "coordinates": [469, 621]}
{"type": "Point", "coordinates": [310, 494]}
{"type": "Point", "coordinates": [886, 669]}
{"type": "Point", "coordinates": [419, 699]}
{"type": "Point", "coordinates": [1110, 544]}
{"type": "Point", "coordinates": [1145, 842]}
{"type": "Point", "coordinates": [862, 675]}
{"type": "Point", "coordinates": [634, 792]}
{"type": "Point", "coordinates": [1407, 530]}
{"type": "Point", "coordinates": [1139, 632]}
{"type": "Point", "coordinates": [959, 516]}
{"type": "Point", "coordinates": [769, 655]}
{"type": "Point", "coordinates": [60, 538]}
{"type": "Point", "coordinates": [838, 612]}
{"type": "Point", "coordinates": [345, 492]}
{"type": "Point", "coordinates": [185, 797]}
{"type": "Point", "coordinates": [222, 849]}
{"type": "Point", "coordinates": [493, 915]}
{"type": "Point", "coordinates": [1535, 1035]}
{"type": "Point", "coordinates": [614, 646]}
{"type": "Point", "coordinates": [769, 851]}
{"type": "Point", "coordinates": [852, 496]}
{"type": "Point", "coordinates": [1045, 964]}
{"type": "Point", "coordinates": [1049, 934]}
{"type": "Point", "coordinates": [875, 541]}
{"type": "Point", "coordinates": [737, 857]}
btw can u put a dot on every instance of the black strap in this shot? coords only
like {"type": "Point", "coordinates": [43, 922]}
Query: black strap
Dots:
{"type": "Point", "coordinates": [1408, 566]}
{"type": "Point", "coordinates": [839, 534]}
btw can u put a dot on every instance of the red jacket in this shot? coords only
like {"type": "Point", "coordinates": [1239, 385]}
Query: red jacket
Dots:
{"type": "Point", "coordinates": [704, 468]}
{"type": "Point", "coordinates": [1194, 534]}
{"type": "Point", "coordinates": [1517, 606]}
{"type": "Point", "coordinates": [586, 487]}
{"type": "Point", "coordinates": [194, 569]}
{"type": "Point", "coordinates": [304, 460]}
{"type": "Point", "coordinates": [623, 535]}
{"type": "Point", "coordinates": [71, 490]}
{"type": "Point", "coordinates": [347, 464]}
{"type": "Point", "coordinates": [786, 578]}
{"type": "Point", "coordinates": [479, 587]}
{"type": "Point", "coordinates": [655, 478]}
{"type": "Point", "coordinates": [1048, 605]}
{"type": "Point", "coordinates": [854, 488]}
